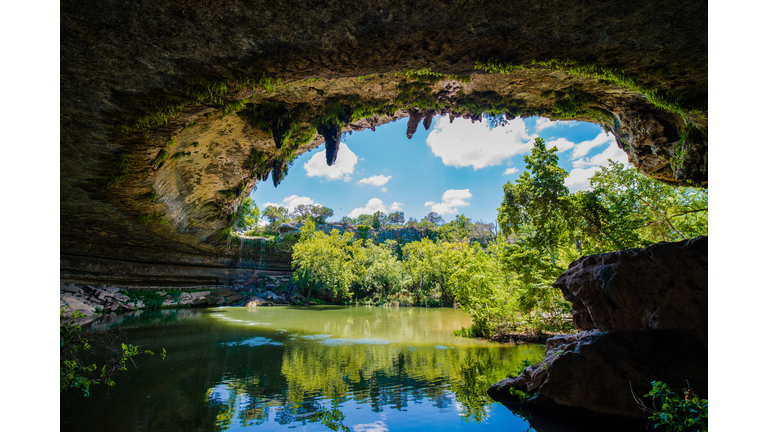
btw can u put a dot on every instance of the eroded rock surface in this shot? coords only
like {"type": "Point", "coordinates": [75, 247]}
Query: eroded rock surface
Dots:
{"type": "Point", "coordinates": [643, 313]}
{"type": "Point", "coordinates": [161, 196]}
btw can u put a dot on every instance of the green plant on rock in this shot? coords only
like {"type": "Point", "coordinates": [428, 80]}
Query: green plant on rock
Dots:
{"type": "Point", "coordinates": [122, 166]}
{"type": "Point", "coordinates": [675, 414]}
{"type": "Point", "coordinates": [665, 100]}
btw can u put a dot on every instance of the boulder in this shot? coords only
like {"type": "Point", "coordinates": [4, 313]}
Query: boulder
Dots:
{"type": "Point", "coordinates": [225, 297]}
{"type": "Point", "coordinates": [72, 288]}
{"type": "Point", "coordinates": [76, 304]}
{"type": "Point", "coordinates": [661, 287]}
{"type": "Point", "coordinates": [255, 302]}
{"type": "Point", "coordinates": [643, 316]}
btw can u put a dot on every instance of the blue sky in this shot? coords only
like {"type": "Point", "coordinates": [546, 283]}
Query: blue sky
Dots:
{"type": "Point", "coordinates": [452, 168]}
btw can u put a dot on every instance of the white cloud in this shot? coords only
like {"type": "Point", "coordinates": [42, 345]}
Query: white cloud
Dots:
{"type": "Point", "coordinates": [584, 168]}
{"type": "Point", "coordinates": [510, 171]}
{"type": "Point", "coordinates": [463, 143]}
{"type": "Point", "coordinates": [291, 202]}
{"type": "Point", "coordinates": [561, 143]}
{"type": "Point", "coordinates": [613, 152]}
{"type": "Point", "coordinates": [452, 199]}
{"type": "Point", "coordinates": [584, 147]}
{"type": "Point", "coordinates": [374, 205]}
{"type": "Point", "coordinates": [377, 180]}
{"type": "Point", "coordinates": [543, 123]}
{"type": "Point", "coordinates": [578, 179]}
{"type": "Point", "coordinates": [341, 169]}
{"type": "Point", "coordinates": [383, 189]}
{"type": "Point", "coordinates": [377, 426]}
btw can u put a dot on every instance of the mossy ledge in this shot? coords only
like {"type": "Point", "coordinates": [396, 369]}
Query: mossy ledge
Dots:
{"type": "Point", "coordinates": [173, 111]}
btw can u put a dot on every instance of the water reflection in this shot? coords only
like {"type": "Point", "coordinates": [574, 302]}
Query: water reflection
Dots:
{"type": "Point", "coordinates": [226, 373]}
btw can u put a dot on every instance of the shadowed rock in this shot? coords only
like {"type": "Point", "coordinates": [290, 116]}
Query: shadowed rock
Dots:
{"type": "Point", "coordinates": [413, 122]}
{"type": "Point", "coordinates": [332, 135]}
{"type": "Point", "coordinates": [644, 316]}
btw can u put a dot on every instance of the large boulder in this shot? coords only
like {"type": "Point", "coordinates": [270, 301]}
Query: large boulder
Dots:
{"type": "Point", "coordinates": [661, 287]}
{"type": "Point", "coordinates": [643, 313]}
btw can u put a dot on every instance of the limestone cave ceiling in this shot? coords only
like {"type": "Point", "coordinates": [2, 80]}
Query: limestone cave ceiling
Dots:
{"type": "Point", "coordinates": [172, 111]}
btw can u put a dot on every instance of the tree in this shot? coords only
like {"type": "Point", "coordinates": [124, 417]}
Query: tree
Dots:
{"type": "Point", "coordinates": [365, 219]}
{"type": "Point", "coordinates": [433, 218]}
{"type": "Point", "coordinates": [301, 212]}
{"type": "Point", "coordinates": [247, 215]}
{"type": "Point", "coordinates": [457, 229]}
{"type": "Point", "coordinates": [321, 213]}
{"type": "Point", "coordinates": [347, 220]}
{"type": "Point", "coordinates": [648, 209]}
{"type": "Point", "coordinates": [396, 218]}
{"type": "Point", "coordinates": [275, 215]}
{"type": "Point", "coordinates": [325, 261]}
{"type": "Point", "coordinates": [379, 218]}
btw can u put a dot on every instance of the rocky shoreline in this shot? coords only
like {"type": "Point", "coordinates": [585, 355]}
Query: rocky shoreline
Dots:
{"type": "Point", "coordinates": [93, 301]}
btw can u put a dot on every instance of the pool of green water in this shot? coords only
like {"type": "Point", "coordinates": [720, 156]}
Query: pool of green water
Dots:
{"type": "Point", "coordinates": [272, 368]}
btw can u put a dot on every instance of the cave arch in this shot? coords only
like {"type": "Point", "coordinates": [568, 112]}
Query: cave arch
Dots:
{"type": "Point", "coordinates": [171, 111]}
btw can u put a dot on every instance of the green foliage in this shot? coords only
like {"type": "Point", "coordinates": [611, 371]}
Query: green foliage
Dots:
{"type": "Point", "coordinates": [687, 414]}
{"type": "Point", "coordinates": [247, 214]}
{"type": "Point", "coordinates": [323, 261]}
{"type": "Point", "coordinates": [641, 211]}
{"type": "Point", "coordinates": [331, 418]}
{"type": "Point", "coordinates": [199, 92]}
{"type": "Point", "coordinates": [665, 100]}
{"type": "Point", "coordinates": [74, 370]}
{"type": "Point", "coordinates": [161, 156]}
{"type": "Point", "coordinates": [121, 167]}
{"type": "Point", "coordinates": [151, 298]}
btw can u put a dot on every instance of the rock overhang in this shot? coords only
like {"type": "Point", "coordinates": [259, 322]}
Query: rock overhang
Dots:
{"type": "Point", "coordinates": [157, 145]}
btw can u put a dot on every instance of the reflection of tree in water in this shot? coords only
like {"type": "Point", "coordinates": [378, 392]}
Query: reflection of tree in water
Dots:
{"type": "Point", "coordinates": [382, 376]}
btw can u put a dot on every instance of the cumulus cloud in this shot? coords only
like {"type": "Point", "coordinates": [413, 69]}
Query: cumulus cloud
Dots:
{"type": "Point", "coordinates": [584, 168]}
{"type": "Point", "coordinates": [463, 143]}
{"type": "Point", "coordinates": [578, 179]}
{"type": "Point", "coordinates": [377, 180]}
{"type": "Point", "coordinates": [543, 123]}
{"type": "Point", "coordinates": [452, 200]}
{"type": "Point", "coordinates": [291, 202]}
{"type": "Point", "coordinates": [374, 205]}
{"type": "Point", "coordinates": [377, 426]}
{"type": "Point", "coordinates": [613, 152]}
{"type": "Point", "coordinates": [342, 169]}
{"type": "Point", "coordinates": [510, 171]}
{"type": "Point", "coordinates": [561, 143]}
{"type": "Point", "coordinates": [581, 149]}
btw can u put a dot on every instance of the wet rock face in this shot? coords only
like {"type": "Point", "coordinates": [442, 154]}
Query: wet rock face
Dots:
{"type": "Point", "coordinates": [644, 316]}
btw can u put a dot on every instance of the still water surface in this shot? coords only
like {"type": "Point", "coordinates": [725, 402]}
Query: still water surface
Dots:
{"type": "Point", "coordinates": [271, 368]}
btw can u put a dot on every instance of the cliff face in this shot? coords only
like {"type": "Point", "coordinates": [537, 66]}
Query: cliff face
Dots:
{"type": "Point", "coordinates": [173, 111]}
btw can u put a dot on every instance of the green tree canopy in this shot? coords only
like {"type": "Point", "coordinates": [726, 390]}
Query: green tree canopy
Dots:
{"type": "Point", "coordinates": [247, 215]}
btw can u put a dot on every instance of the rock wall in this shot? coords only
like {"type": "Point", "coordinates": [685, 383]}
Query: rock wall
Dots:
{"type": "Point", "coordinates": [643, 316]}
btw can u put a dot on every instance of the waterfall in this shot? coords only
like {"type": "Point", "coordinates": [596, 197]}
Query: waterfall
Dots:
{"type": "Point", "coordinates": [262, 244]}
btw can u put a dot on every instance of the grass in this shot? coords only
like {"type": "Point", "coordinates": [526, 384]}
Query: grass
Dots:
{"type": "Point", "coordinates": [121, 167]}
